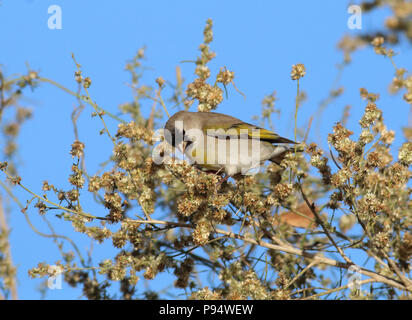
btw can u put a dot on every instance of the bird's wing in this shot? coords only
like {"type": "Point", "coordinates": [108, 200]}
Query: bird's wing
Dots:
{"type": "Point", "coordinates": [244, 130]}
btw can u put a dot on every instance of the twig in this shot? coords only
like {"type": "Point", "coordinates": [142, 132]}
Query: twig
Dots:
{"type": "Point", "coordinates": [320, 222]}
{"type": "Point", "coordinates": [376, 276]}
{"type": "Point", "coordinates": [296, 110]}
{"type": "Point", "coordinates": [337, 289]}
{"type": "Point", "coordinates": [80, 213]}
{"type": "Point", "coordinates": [81, 97]}
{"type": "Point", "coordinates": [310, 265]}
{"type": "Point", "coordinates": [288, 249]}
{"type": "Point", "coordinates": [35, 230]}
{"type": "Point", "coordinates": [94, 105]}
{"type": "Point", "coordinates": [308, 129]}
{"type": "Point", "coordinates": [7, 252]}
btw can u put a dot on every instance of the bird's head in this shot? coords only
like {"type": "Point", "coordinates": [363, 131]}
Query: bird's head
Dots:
{"type": "Point", "coordinates": [182, 129]}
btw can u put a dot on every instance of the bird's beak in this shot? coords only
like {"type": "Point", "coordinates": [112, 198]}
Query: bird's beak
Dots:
{"type": "Point", "coordinates": [184, 146]}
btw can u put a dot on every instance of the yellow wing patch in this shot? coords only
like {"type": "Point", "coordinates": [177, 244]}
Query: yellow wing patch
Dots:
{"type": "Point", "coordinates": [253, 132]}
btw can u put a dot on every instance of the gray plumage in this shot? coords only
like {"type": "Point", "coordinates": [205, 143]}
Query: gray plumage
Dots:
{"type": "Point", "coordinates": [215, 142]}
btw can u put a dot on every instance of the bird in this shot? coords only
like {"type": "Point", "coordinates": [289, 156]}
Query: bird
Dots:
{"type": "Point", "coordinates": [216, 142]}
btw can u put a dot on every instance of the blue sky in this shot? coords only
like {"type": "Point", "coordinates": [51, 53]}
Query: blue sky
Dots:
{"type": "Point", "coordinates": [258, 40]}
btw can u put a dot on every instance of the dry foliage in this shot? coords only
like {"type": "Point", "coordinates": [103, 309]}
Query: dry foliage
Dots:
{"type": "Point", "coordinates": [275, 235]}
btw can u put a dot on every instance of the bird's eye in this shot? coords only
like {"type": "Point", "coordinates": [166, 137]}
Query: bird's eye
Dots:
{"type": "Point", "coordinates": [177, 137]}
